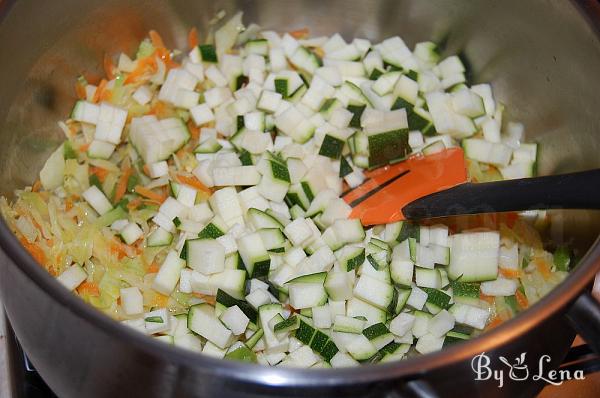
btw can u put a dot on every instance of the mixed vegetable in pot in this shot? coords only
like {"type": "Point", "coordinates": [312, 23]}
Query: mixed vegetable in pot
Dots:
{"type": "Point", "coordinates": [196, 198]}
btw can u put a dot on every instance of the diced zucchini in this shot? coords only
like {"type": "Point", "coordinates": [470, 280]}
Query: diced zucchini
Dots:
{"type": "Point", "coordinates": [203, 321]}
{"type": "Point", "coordinates": [254, 254]}
{"type": "Point", "coordinates": [474, 256]}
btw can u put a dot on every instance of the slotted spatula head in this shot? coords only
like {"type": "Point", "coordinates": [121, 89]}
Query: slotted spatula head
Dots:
{"type": "Point", "coordinates": [386, 190]}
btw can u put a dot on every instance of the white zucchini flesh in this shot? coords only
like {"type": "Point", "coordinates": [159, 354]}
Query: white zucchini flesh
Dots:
{"type": "Point", "coordinates": [374, 291]}
{"type": "Point", "coordinates": [205, 255]}
{"type": "Point", "coordinates": [474, 256]}
{"type": "Point", "coordinates": [402, 323]}
{"type": "Point", "coordinates": [52, 174]}
{"type": "Point", "coordinates": [470, 315]}
{"type": "Point", "coordinates": [235, 320]}
{"type": "Point", "coordinates": [157, 321]}
{"type": "Point", "coordinates": [132, 300]}
{"type": "Point", "coordinates": [168, 274]}
{"type": "Point", "coordinates": [72, 277]}
{"type": "Point", "coordinates": [97, 200]}
{"type": "Point", "coordinates": [203, 321]}
{"type": "Point", "coordinates": [499, 287]}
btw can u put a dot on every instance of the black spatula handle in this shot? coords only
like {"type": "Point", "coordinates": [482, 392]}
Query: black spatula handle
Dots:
{"type": "Point", "coordinates": [566, 191]}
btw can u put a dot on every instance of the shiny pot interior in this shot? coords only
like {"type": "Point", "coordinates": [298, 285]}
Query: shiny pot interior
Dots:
{"type": "Point", "coordinates": [542, 57]}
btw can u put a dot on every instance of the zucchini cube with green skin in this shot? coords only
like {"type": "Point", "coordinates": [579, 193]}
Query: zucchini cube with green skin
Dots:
{"type": "Point", "coordinates": [331, 147]}
{"type": "Point", "coordinates": [281, 87]}
{"type": "Point", "coordinates": [287, 325]}
{"type": "Point", "coordinates": [305, 332]}
{"type": "Point", "coordinates": [297, 196]}
{"type": "Point", "coordinates": [385, 147]}
{"type": "Point", "coordinates": [350, 257]}
{"type": "Point", "coordinates": [474, 256]}
{"type": "Point", "coordinates": [241, 352]}
{"type": "Point", "coordinates": [257, 46]}
{"type": "Point", "coordinates": [379, 335]}
{"type": "Point", "coordinates": [227, 300]}
{"type": "Point", "coordinates": [437, 300]}
{"type": "Point", "coordinates": [374, 291]}
{"type": "Point", "coordinates": [455, 337]}
{"type": "Point", "coordinates": [319, 341]}
{"type": "Point", "coordinates": [345, 167]}
{"type": "Point", "coordinates": [255, 338]}
{"type": "Point", "coordinates": [206, 256]}
{"type": "Point", "coordinates": [401, 299]}
{"type": "Point", "coordinates": [348, 324]}
{"type": "Point", "coordinates": [211, 231]}
{"type": "Point", "coordinates": [329, 350]}
{"type": "Point", "coordinates": [307, 291]}
{"type": "Point", "coordinates": [356, 307]}
{"type": "Point", "coordinates": [338, 286]}
{"type": "Point", "coordinates": [254, 254]}
{"type": "Point", "coordinates": [266, 313]}
{"type": "Point", "coordinates": [329, 106]}
{"type": "Point", "coordinates": [361, 348]}
{"type": "Point", "coordinates": [203, 321]}
{"type": "Point", "coordinates": [208, 53]}
{"type": "Point", "coordinates": [465, 289]}
{"type": "Point", "coordinates": [260, 220]}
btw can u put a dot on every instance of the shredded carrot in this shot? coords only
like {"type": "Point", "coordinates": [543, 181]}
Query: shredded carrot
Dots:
{"type": "Point", "coordinates": [89, 288]}
{"type": "Point", "coordinates": [300, 33]}
{"type": "Point", "coordinates": [109, 67]}
{"type": "Point", "coordinates": [165, 55]}
{"type": "Point", "coordinates": [146, 65]}
{"type": "Point", "coordinates": [543, 267]}
{"type": "Point", "coordinates": [80, 90]}
{"type": "Point", "coordinates": [193, 182]}
{"type": "Point", "coordinates": [134, 204]}
{"type": "Point", "coordinates": [122, 183]}
{"type": "Point", "coordinates": [146, 170]}
{"type": "Point", "coordinates": [147, 193]}
{"type": "Point", "coordinates": [207, 298]}
{"type": "Point", "coordinates": [193, 38]}
{"type": "Point", "coordinates": [157, 41]}
{"type": "Point", "coordinates": [36, 252]}
{"type": "Point", "coordinates": [521, 299]}
{"type": "Point", "coordinates": [510, 273]}
{"type": "Point", "coordinates": [84, 147]}
{"type": "Point", "coordinates": [99, 172]}
{"type": "Point", "coordinates": [194, 131]}
{"type": "Point", "coordinates": [37, 185]}
{"type": "Point", "coordinates": [150, 202]}
{"type": "Point", "coordinates": [489, 299]}
{"type": "Point", "coordinates": [100, 91]}
{"type": "Point", "coordinates": [118, 249]}
{"type": "Point", "coordinates": [153, 268]}
{"type": "Point", "coordinates": [496, 321]}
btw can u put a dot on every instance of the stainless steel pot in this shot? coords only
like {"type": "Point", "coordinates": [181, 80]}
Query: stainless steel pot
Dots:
{"type": "Point", "coordinates": [543, 58]}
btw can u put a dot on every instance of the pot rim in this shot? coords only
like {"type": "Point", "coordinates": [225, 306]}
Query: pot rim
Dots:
{"type": "Point", "coordinates": [558, 299]}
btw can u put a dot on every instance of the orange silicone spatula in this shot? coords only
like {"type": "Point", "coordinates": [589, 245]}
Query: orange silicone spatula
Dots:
{"type": "Point", "coordinates": [386, 190]}
{"type": "Point", "coordinates": [436, 186]}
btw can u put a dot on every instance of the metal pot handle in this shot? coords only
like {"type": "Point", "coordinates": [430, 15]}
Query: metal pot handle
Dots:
{"type": "Point", "coordinates": [584, 316]}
